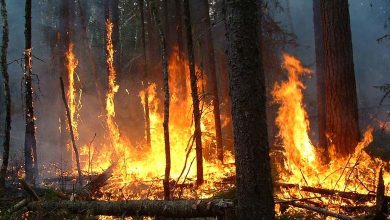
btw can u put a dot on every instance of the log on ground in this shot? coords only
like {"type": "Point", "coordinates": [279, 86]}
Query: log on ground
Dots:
{"type": "Point", "coordinates": [172, 209]}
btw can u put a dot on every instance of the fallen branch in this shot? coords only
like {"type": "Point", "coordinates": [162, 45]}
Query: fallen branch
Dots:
{"type": "Point", "coordinates": [29, 190]}
{"type": "Point", "coordinates": [18, 206]}
{"type": "Point", "coordinates": [348, 195]}
{"type": "Point", "coordinates": [85, 193]}
{"type": "Point", "coordinates": [170, 209]}
{"type": "Point", "coordinates": [320, 210]}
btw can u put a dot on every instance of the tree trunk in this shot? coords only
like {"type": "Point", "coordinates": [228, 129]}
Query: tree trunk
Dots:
{"type": "Point", "coordinates": [66, 20]}
{"type": "Point", "coordinates": [30, 144]}
{"type": "Point", "coordinates": [164, 57]}
{"type": "Point", "coordinates": [169, 209]}
{"type": "Point", "coordinates": [7, 93]}
{"type": "Point", "coordinates": [152, 48]}
{"type": "Point", "coordinates": [114, 9]}
{"type": "Point", "coordinates": [145, 74]}
{"type": "Point", "coordinates": [319, 50]}
{"type": "Point", "coordinates": [90, 55]}
{"type": "Point", "coordinates": [341, 115]}
{"type": "Point", "coordinates": [247, 89]}
{"type": "Point", "coordinates": [194, 93]}
{"type": "Point", "coordinates": [180, 49]}
{"type": "Point", "coordinates": [203, 37]}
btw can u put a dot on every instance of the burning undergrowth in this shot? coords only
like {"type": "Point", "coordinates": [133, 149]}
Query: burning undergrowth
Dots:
{"type": "Point", "coordinates": [137, 171]}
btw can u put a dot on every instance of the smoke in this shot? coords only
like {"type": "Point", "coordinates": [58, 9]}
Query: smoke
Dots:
{"type": "Point", "coordinates": [368, 22]}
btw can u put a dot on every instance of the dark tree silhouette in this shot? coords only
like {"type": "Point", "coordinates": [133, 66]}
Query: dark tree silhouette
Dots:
{"type": "Point", "coordinates": [30, 143]}
{"type": "Point", "coordinates": [341, 110]}
{"type": "Point", "coordinates": [7, 93]}
{"type": "Point", "coordinates": [164, 58]}
{"type": "Point", "coordinates": [194, 93]}
{"type": "Point", "coordinates": [203, 37]}
{"type": "Point", "coordinates": [145, 73]}
{"type": "Point", "coordinates": [247, 90]}
{"type": "Point", "coordinates": [319, 50]}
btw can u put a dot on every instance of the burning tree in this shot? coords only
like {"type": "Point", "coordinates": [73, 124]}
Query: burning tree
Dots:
{"type": "Point", "coordinates": [30, 143]}
{"type": "Point", "coordinates": [161, 55]}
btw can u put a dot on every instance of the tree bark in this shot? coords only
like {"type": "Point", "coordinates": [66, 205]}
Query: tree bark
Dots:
{"type": "Point", "coordinates": [319, 51]}
{"type": "Point", "coordinates": [66, 30]}
{"type": "Point", "coordinates": [247, 90]}
{"type": "Point", "coordinates": [164, 57]}
{"type": "Point", "coordinates": [7, 93]}
{"type": "Point", "coordinates": [341, 115]}
{"type": "Point", "coordinates": [145, 74]}
{"type": "Point", "coordinates": [170, 209]}
{"type": "Point", "coordinates": [203, 37]}
{"type": "Point", "coordinates": [30, 144]}
{"type": "Point", "coordinates": [91, 57]}
{"type": "Point", "coordinates": [76, 152]}
{"type": "Point", "coordinates": [115, 18]}
{"type": "Point", "coordinates": [181, 50]}
{"type": "Point", "coordinates": [194, 93]}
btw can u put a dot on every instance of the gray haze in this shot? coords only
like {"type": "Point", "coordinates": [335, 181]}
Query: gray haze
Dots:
{"type": "Point", "coordinates": [372, 65]}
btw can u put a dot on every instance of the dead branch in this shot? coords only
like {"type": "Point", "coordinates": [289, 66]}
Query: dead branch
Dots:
{"type": "Point", "coordinates": [18, 206]}
{"type": "Point", "coordinates": [29, 190]}
{"type": "Point", "coordinates": [386, 36]}
{"type": "Point", "coordinates": [320, 210]}
{"type": "Point", "coordinates": [76, 152]}
{"type": "Point", "coordinates": [170, 209]}
{"type": "Point", "coordinates": [99, 181]}
{"type": "Point", "coordinates": [348, 195]}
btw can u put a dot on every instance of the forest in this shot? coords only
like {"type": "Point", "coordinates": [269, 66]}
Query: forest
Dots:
{"type": "Point", "coordinates": [195, 109]}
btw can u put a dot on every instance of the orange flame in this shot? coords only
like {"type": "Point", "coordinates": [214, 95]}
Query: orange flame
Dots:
{"type": "Point", "coordinates": [71, 66]}
{"type": "Point", "coordinates": [304, 164]}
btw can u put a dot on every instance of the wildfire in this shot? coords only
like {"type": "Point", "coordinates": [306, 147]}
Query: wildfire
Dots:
{"type": "Point", "coordinates": [71, 66]}
{"type": "Point", "coordinates": [303, 161]}
{"type": "Point", "coordinates": [113, 88]}
{"type": "Point", "coordinates": [138, 173]}
{"type": "Point", "coordinates": [292, 117]}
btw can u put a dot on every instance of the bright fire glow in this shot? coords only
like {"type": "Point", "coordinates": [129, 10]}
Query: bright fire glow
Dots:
{"type": "Point", "coordinates": [303, 161]}
{"type": "Point", "coordinates": [138, 173]}
{"type": "Point", "coordinates": [71, 65]}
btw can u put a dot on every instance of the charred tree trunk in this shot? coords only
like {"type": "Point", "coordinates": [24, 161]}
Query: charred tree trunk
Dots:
{"type": "Point", "coordinates": [90, 54]}
{"type": "Point", "coordinates": [341, 115]}
{"type": "Point", "coordinates": [114, 9]}
{"type": "Point", "coordinates": [30, 143]}
{"type": "Point", "coordinates": [194, 93]}
{"type": "Point", "coordinates": [203, 37]}
{"type": "Point", "coordinates": [247, 89]}
{"type": "Point", "coordinates": [7, 92]}
{"type": "Point", "coordinates": [319, 50]}
{"type": "Point", "coordinates": [66, 20]}
{"type": "Point", "coordinates": [145, 74]}
{"type": "Point", "coordinates": [179, 26]}
{"type": "Point", "coordinates": [164, 57]}
{"type": "Point", "coordinates": [151, 35]}
{"type": "Point", "coordinates": [178, 42]}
